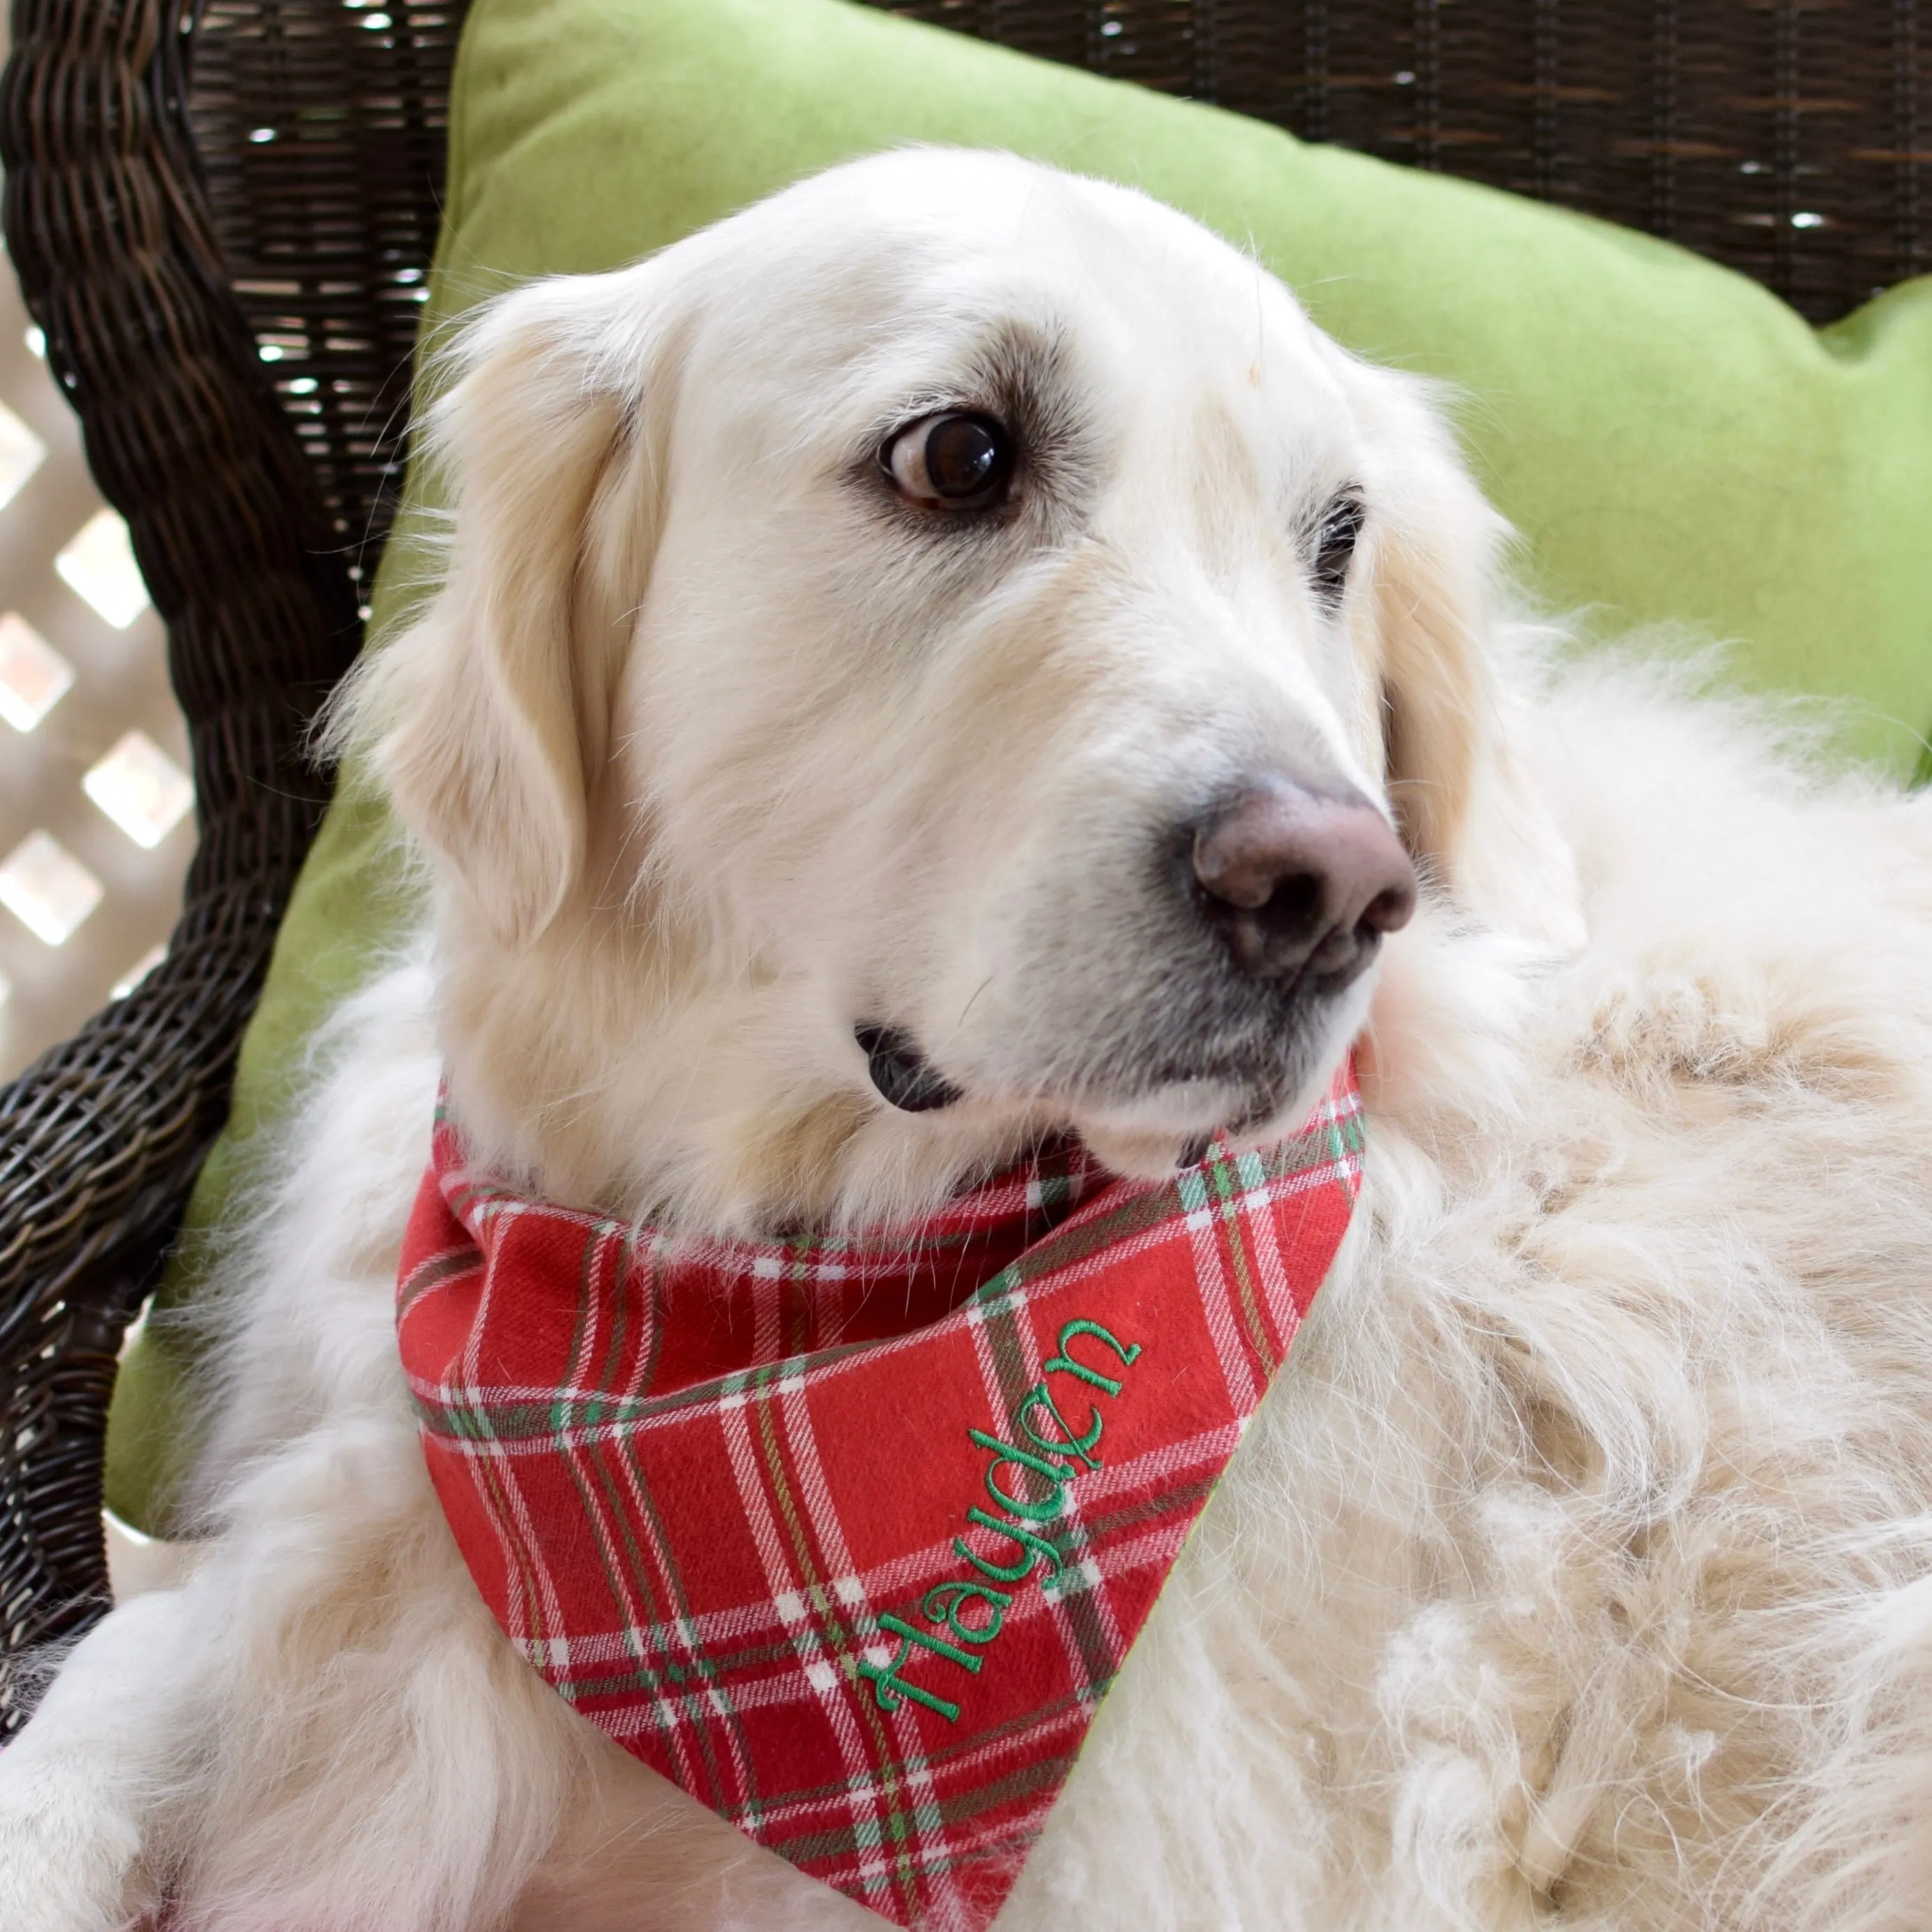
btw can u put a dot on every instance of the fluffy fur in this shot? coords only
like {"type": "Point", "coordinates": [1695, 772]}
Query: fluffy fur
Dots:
{"type": "Point", "coordinates": [1579, 1569]}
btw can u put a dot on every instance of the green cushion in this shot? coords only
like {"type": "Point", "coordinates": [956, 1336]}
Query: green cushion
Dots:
{"type": "Point", "coordinates": [1673, 443]}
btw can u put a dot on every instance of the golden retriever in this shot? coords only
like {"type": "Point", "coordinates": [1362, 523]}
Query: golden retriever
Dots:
{"type": "Point", "coordinates": [953, 654]}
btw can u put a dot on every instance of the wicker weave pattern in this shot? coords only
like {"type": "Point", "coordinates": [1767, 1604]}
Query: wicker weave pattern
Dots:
{"type": "Point", "coordinates": [329, 223]}
{"type": "Point", "coordinates": [118, 260]}
{"type": "Point", "coordinates": [259, 493]}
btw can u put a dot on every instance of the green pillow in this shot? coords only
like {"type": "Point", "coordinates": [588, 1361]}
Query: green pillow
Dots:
{"type": "Point", "coordinates": [1672, 442]}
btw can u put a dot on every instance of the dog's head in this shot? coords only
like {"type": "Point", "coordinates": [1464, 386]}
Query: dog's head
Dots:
{"type": "Point", "coordinates": [950, 651]}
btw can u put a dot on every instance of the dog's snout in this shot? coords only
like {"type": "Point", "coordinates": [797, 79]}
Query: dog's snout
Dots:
{"type": "Point", "coordinates": [1303, 881]}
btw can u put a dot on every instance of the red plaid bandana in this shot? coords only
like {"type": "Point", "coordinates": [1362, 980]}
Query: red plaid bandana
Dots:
{"type": "Point", "coordinates": [848, 1536]}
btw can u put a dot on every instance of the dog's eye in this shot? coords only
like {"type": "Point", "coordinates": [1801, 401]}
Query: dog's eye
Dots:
{"type": "Point", "coordinates": [952, 462]}
{"type": "Point", "coordinates": [1335, 545]}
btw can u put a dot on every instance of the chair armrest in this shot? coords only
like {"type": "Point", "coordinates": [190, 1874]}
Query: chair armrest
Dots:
{"type": "Point", "coordinates": [107, 224]}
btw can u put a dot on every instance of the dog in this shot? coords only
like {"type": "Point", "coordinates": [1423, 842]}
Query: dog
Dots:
{"type": "Point", "coordinates": [958, 634]}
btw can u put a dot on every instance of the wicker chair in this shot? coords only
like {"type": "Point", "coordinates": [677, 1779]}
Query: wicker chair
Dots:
{"type": "Point", "coordinates": [222, 216]}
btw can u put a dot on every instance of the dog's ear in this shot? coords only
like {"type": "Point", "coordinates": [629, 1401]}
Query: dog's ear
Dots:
{"type": "Point", "coordinates": [489, 717]}
{"type": "Point", "coordinates": [1469, 810]}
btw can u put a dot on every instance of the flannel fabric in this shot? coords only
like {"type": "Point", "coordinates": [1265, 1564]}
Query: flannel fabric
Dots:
{"type": "Point", "coordinates": [847, 1537]}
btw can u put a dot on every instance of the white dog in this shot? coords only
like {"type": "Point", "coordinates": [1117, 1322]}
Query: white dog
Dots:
{"type": "Point", "coordinates": [970, 608]}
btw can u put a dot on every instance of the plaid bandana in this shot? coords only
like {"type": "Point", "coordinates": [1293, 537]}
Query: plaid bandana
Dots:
{"type": "Point", "coordinates": [847, 1537]}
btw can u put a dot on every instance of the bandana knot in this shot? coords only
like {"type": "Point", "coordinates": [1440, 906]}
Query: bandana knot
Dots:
{"type": "Point", "coordinates": [848, 1536]}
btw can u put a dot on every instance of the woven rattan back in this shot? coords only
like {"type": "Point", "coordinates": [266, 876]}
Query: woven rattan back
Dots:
{"type": "Point", "coordinates": [321, 130]}
{"type": "Point", "coordinates": [228, 276]}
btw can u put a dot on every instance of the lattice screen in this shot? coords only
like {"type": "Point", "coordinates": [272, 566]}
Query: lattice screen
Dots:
{"type": "Point", "coordinates": [96, 806]}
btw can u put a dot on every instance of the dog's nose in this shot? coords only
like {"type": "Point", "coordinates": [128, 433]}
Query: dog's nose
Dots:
{"type": "Point", "coordinates": [1303, 881]}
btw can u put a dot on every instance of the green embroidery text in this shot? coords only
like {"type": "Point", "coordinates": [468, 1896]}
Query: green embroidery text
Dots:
{"type": "Point", "coordinates": [1026, 1482]}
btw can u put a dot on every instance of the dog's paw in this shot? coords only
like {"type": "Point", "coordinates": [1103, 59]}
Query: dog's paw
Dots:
{"type": "Point", "coordinates": [68, 1860]}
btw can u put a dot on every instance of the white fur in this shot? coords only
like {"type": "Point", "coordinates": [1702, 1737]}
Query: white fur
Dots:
{"type": "Point", "coordinates": [1579, 1567]}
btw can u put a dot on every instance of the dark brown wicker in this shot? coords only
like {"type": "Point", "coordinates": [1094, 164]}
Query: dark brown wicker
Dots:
{"type": "Point", "coordinates": [1791, 141]}
{"type": "Point", "coordinates": [110, 235]}
{"type": "Point", "coordinates": [321, 129]}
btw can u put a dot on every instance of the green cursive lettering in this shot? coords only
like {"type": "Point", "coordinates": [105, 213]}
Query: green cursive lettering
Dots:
{"type": "Point", "coordinates": [1128, 1351]}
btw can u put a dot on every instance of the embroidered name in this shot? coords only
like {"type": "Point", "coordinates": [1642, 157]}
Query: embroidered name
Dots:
{"type": "Point", "coordinates": [971, 1612]}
